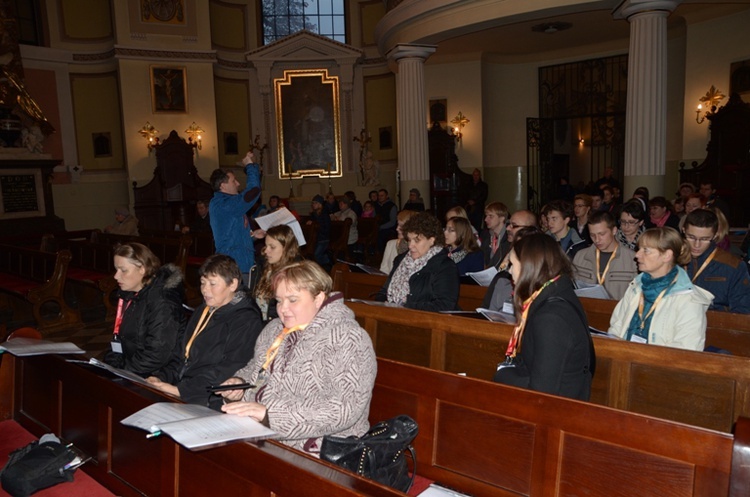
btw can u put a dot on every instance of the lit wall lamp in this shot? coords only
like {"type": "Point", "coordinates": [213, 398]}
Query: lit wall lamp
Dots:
{"type": "Point", "coordinates": [710, 100]}
{"type": "Point", "coordinates": [458, 123]}
{"type": "Point", "coordinates": [149, 133]}
{"type": "Point", "coordinates": [195, 135]}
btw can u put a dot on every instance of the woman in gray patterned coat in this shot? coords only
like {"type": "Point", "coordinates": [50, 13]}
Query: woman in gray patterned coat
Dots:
{"type": "Point", "coordinates": [314, 367]}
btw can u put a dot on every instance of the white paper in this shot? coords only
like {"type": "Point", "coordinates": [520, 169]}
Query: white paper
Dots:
{"type": "Point", "coordinates": [484, 278]}
{"type": "Point", "coordinates": [120, 372]}
{"type": "Point", "coordinates": [435, 490]}
{"type": "Point", "coordinates": [497, 316]}
{"type": "Point", "coordinates": [375, 303]}
{"type": "Point", "coordinates": [589, 290]}
{"type": "Point", "coordinates": [23, 347]}
{"type": "Point", "coordinates": [195, 426]}
{"type": "Point", "coordinates": [279, 217]}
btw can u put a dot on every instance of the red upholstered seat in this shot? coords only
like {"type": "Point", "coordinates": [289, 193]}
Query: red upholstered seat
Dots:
{"type": "Point", "coordinates": [79, 274]}
{"type": "Point", "coordinates": [194, 260]}
{"type": "Point", "coordinates": [18, 285]}
{"type": "Point", "coordinates": [14, 436]}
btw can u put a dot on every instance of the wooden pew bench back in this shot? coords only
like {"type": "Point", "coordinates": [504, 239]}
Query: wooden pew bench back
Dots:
{"type": "Point", "coordinates": [698, 388]}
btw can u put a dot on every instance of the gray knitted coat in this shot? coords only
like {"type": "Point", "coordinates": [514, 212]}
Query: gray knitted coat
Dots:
{"type": "Point", "coordinates": [320, 383]}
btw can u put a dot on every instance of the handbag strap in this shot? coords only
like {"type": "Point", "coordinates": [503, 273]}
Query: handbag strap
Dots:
{"type": "Point", "coordinates": [414, 469]}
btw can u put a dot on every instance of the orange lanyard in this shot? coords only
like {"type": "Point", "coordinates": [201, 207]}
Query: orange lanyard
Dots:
{"type": "Point", "coordinates": [705, 263]}
{"type": "Point", "coordinates": [514, 346]}
{"type": "Point", "coordinates": [641, 304]}
{"type": "Point", "coordinates": [118, 317]}
{"type": "Point", "coordinates": [600, 277]}
{"type": "Point", "coordinates": [273, 350]}
{"type": "Point", "coordinates": [202, 323]}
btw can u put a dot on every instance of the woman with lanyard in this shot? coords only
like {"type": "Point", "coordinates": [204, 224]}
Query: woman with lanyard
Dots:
{"type": "Point", "coordinates": [661, 305]}
{"type": "Point", "coordinates": [220, 336]}
{"type": "Point", "coordinates": [313, 369]}
{"type": "Point", "coordinates": [150, 319]}
{"type": "Point", "coordinates": [550, 349]}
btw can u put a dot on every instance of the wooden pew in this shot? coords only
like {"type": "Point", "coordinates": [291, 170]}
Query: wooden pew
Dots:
{"type": "Point", "coordinates": [725, 330]}
{"type": "Point", "coordinates": [92, 269]}
{"type": "Point", "coordinates": [698, 388]}
{"type": "Point", "coordinates": [339, 244]}
{"type": "Point", "coordinates": [37, 279]}
{"type": "Point", "coordinates": [480, 438]}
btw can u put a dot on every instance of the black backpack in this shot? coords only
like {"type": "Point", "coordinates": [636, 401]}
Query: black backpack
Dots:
{"type": "Point", "coordinates": [37, 466]}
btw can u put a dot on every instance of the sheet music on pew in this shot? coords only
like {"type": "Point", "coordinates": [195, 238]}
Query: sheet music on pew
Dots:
{"type": "Point", "coordinates": [117, 371]}
{"type": "Point", "coordinates": [22, 347]}
{"type": "Point", "coordinates": [482, 313]}
{"type": "Point", "coordinates": [376, 303]}
{"type": "Point", "coordinates": [194, 426]}
{"type": "Point", "coordinates": [592, 291]}
{"type": "Point", "coordinates": [435, 490]}
{"type": "Point", "coordinates": [279, 217]}
{"type": "Point", "coordinates": [364, 268]}
{"type": "Point", "coordinates": [484, 278]}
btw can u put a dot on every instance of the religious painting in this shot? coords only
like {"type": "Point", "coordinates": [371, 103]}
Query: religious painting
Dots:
{"type": "Point", "coordinates": [385, 138]}
{"type": "Point", "coordinates": [169, 89]}
{"type": "Point", "coordinates": [308, 124]}
{"type": "Point", "coordinates": [230, 143]}
{"type": "Point", "coordinates": [102, 144]}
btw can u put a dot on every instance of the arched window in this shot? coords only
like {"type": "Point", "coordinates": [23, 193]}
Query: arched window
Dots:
{"type": "Point", "coordinates": [284, 17]}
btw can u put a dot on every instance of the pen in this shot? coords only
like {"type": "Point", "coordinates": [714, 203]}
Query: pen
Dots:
{"type": "Point", "coordinates": [154, 434]}
{"type": "Point", "coordinates": [224, 388]}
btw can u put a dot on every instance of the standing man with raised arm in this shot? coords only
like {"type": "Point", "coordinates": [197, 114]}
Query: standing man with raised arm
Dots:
{"type": "Point", "coordinates": [233, 234]}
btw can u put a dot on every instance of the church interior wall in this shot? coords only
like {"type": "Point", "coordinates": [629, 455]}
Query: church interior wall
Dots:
{"type": "Point", "coordinates": [232, 116]}
{"type": "Point", "coordinates": [43, 85]}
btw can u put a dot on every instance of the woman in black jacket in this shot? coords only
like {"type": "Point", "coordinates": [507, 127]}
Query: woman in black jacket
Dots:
{"type": "Point", "coordinates": [424, 277]}
{"type": "Point", "coordinates": [550, 349]}
{"type": "Point", "coordinates": [150, 318]}
{"type": "Point", "coordinates": [220, 336]}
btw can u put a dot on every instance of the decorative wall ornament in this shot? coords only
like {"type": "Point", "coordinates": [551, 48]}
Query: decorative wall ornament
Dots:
{"type": "Point", "coordinates": [163, 11]}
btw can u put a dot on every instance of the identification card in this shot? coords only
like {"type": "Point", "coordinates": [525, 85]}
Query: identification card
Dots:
{"type": "Point", "coordinates": [116, 347]}
{"type": "Point", "coordinates": [638, 339]}
{"type": "Point", "coordinates": [508, 308]}
{"type": "Point", "coordinates": [508, 363]}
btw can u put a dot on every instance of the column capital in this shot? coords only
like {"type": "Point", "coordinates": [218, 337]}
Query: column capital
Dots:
{"type": "Point", "coordinates": [629, 8]}
{"type": "Point", "coordinates": [404, 51]}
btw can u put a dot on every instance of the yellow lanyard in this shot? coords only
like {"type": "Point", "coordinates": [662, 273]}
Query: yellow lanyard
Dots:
{"type": "Point", "coordinates": [600, 277]}
{"type": "Point", "coordinates": [273, 350]}
{"type": "Point", "coordinates": [514, 346]}
{"type": "Point", "coordinates": [202, 323]}
{"type": "Point", "coordinates": [641, 304]}
{"type": "Point", "coordinates": [705, 263]}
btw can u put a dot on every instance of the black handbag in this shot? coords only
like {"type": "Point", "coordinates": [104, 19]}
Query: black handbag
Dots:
{"type": "Point", "coordinates": [379, 454]}
{"type": "Point", "coordinates": [37, 466]}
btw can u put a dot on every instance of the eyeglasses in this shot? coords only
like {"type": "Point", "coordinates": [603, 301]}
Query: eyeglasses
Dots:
{"type": "Point", "coordinates": [629, 223]}
{"type": "Point", "coordinates": [693, 239]}
{"type": "Point", "coordinates": [516, 225]}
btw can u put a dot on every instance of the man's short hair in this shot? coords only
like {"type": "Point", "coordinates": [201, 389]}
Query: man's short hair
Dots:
{"type": "Point", "coordinates": [218, 178]}
{"type": "Point", "coordinates": [202, 202]}
{"type": "Point", "coordinates": [561, 206]}
{"type": "Point", "coordinates": [708, 182]}
{"type": "Point", "coordinates": [498, 208]}
{"type": "Point", "coordinates": [383, 190]}
{"type": "Point", "coordinates": [702, 218]}
{"type": "Point", "coordinates": [602, 217]}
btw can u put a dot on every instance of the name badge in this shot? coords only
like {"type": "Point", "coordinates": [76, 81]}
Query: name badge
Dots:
{"type": "Point", "coordinates": [638, 339]}
{"type": "Point", "coordinates": [508, 308]}
{"type": "Point", "coordinates": [116, 347]}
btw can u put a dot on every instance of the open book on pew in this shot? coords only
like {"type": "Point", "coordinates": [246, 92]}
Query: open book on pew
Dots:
{"type": "Point", "coordinates": [23, 346]}
{"type": "Point", "coordinates": [363, 268]}
{"type": "Point", "coordinates": [194, 426]}
{"type": "Point", "coordinates": [591, 291]}
{"type": "Point", "coordinates": [482, 313]}
{"type": "Point", "coordinates": [282, 216]}
{"type": "Point", "coordinates": [604, 334]}
{"type": "Point", "coordinates": [484, 278]}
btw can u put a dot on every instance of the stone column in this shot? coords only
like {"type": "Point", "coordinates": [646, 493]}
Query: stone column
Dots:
{"type": "Point", "coordinates": [646, 114]}
{"type": "Point", "coordinates": [411, 112]}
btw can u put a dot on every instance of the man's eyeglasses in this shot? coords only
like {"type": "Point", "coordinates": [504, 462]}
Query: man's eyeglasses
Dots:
{"type": "Point", "coordinates": [629, 223]}
{"type": "Point", "coordinates": [515, 225]}
{"type": "Point", "coordinates": [693, 239]}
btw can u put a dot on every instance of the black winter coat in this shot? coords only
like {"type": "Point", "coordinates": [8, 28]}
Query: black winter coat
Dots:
{"type": "Point", "coordinates": [556, 350]}
{"type": "Point", "coordinates": [434, 288]}
{"type": "Point", "coordinates": [153, 321]}
{"type": "Point", "coordinates": [224, 346]}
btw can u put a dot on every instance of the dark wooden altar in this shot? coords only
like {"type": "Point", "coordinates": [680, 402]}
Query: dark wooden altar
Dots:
{"type": "Point", "coordinates": [170, 197]}
{"type": "Point", "coordinates": [449, 186]}
{"type": "Point", "coordinates": [28, 207]}
{"type": "Point", "coordinates": [727, 164]}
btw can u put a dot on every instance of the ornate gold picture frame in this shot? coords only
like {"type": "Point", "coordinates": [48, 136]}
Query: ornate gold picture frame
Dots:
{"type": "Point", "coordinates": [308, 124]}
{"type": "Point", "coordinates": [169, 89]}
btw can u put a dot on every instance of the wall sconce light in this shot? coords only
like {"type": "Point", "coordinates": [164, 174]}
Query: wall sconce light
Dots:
{"type": "Point", "coordinates": [194, 135]}
{"type": "Point", "coordinates": [149, 133]}
{"type": "Point", "coordinates": [711, 100]}
{"type": "Point", "coordinates": [458, 123]}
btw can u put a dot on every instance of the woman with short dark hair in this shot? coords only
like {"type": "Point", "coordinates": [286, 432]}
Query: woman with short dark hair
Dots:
{"type": "Point", "coordinates": [632, 223]}
{"type": "Point", "coordinates": [550, 349]}
{"type": "Point", "coordinates": [424, 277]}
{"type": "Point", "coordinates": [220, 336]}
{"type": "Point", "coordinates": [150, 319]}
